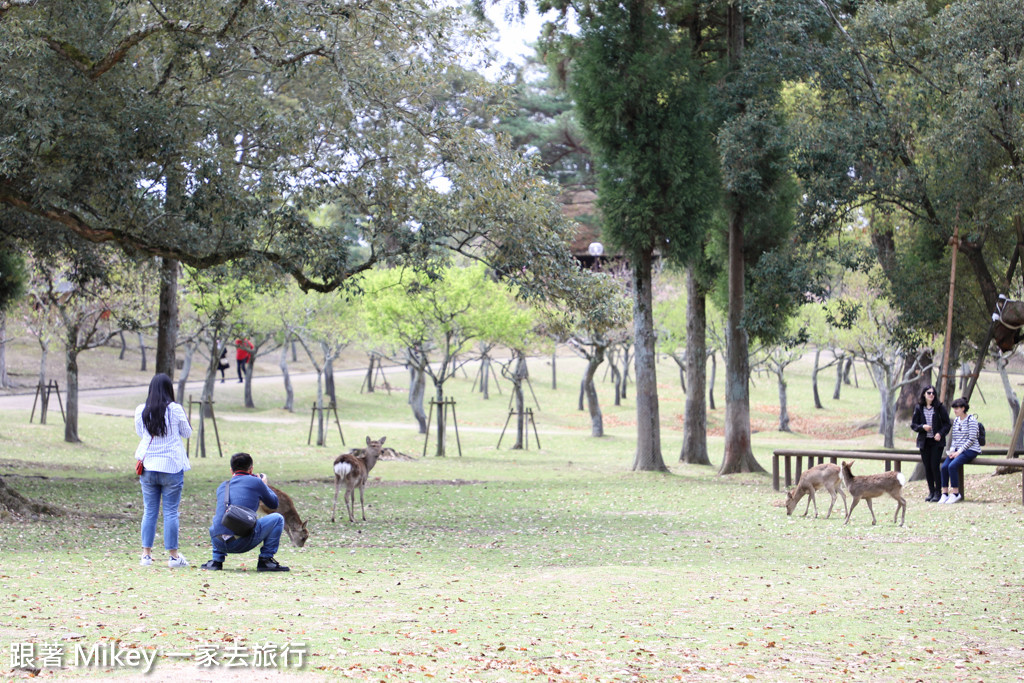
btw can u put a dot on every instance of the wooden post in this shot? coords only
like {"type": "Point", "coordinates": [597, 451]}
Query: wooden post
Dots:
{"type": "Point", "coordinates": [949, 312]}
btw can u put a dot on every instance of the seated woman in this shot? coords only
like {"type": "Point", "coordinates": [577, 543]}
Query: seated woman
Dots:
{"type": "Point", "coordinates": [963, 449]}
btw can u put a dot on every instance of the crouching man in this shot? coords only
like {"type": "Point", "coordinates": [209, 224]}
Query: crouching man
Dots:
{"type": "Point", "coordinates": [247, 490]}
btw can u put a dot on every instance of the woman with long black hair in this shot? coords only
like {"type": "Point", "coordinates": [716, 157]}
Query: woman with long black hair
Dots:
{"type": "Point", "coordinates": [931, 422]}
{"type": "Point", "coordinates": [161, 424]}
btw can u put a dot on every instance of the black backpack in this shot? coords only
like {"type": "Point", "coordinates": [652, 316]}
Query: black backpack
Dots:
{"type": "Point", "coordinates": [981, 431]}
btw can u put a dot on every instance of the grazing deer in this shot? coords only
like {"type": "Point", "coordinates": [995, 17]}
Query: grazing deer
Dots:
{"type": "Point", "coordinates": [353, 468]}
{"type": "Point", "coordinates": [872, 486]}
{"type": "Point", "coordinates": [824, 476]}
{"type": "Point", "coordinates": [293, 525]}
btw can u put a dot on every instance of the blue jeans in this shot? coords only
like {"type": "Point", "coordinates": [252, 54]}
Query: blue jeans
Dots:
{"type": "Point", "coordinates": [950, 468]}
{"type": "Point", "coordinates": [268, 532]}
{"type": "Point", "coordinates": [157, 485]}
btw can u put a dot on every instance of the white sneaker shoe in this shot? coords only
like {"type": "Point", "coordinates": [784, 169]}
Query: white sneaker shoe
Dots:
{"type": "Point", "coordinates": [146, 560]}
{"type": "Point", "coordinates": [955, 498]}
{"type": "Point", "coordinates": [177, 562]}
{"type": "Point", "coordinates": [944, 498]}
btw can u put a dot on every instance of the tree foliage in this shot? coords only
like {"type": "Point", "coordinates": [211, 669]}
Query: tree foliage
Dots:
{"type": "Point", "coordinates": [206, 131]}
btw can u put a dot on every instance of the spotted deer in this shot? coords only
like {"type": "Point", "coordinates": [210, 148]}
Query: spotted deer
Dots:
{"type": "Point", "coordinates": [823, 476]}
{"type": "Point", "coordinates": [872, 486]}
{"type": "Point", "coordinates": [293, 525]}
{"type": "Point", "coordinates": [352, 468]}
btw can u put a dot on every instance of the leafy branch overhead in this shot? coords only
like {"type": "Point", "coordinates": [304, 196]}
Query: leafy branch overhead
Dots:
{"type": "Point", "coordinates": [208, 132]}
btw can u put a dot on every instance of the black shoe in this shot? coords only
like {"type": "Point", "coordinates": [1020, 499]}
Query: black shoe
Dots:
{"type": "Point", "coordinates": [269, 564]}
{"type": "Point", "coordinates": [213, 566]}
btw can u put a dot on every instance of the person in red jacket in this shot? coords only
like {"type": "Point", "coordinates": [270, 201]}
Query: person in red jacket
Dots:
{"type": "Point", "coordinates": [243, 356]}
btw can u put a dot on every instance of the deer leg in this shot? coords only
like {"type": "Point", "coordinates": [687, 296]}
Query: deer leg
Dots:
{"type": "Point", "coordinates": [831, 492]}
{"type": "Point", "coordinates": [337, 485]}
{"type": "Point", "coordinates": [362, 508]}
{"type": "Point", "coordinates": [809, 499]}
{"type": "Point", "coordinates": [901, 502]}
{"type": "Point", "coordinates": [350, 501]}
{"type": "Point", "coordinates": [850, 511]}
{"type": "Point", "coordinates": [872, 510]}
{"type": "Point", "coordinates": [840, 492]}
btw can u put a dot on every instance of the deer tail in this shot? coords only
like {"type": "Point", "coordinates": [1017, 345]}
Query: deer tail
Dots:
{"type": "Point", "coordinates": [901, 479]}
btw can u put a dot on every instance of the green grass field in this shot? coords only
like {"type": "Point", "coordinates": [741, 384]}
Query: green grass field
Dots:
{"type": "Point", "coordinates": [554, 564]}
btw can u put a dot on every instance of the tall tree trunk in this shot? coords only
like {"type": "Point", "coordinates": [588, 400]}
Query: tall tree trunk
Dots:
{"type": "Point", "coordinates": [590, 390]}
{"type": "Point", "coordinates": [321, 432]}
{"type": "Point", "coordinates": [485, 375]}
{"type": "Point", "coordinates": [368, 381]}
{"type": "Point", "coordinates": [142, 353]}
{"type": "Point", "coordinates": [840, 364]}
{"type": "Point", "coordinates": [5, 381]}
{"type": "Point", "coordinates": [814, 379]}
{"type": "Point", "coordinates": [417, 390]}
{"type": "Point", "coordinates": [625, 363]}
{"type": "Point", "coordinates": [329, 374]}
{"type": "Point", "coordinates": [289, 392]}
{"type": "Point", "coordinates": [783, 403]}
{"type": "Point", "coordinates": [1011, 399]}
{"type": "Point", "coordinates": [910, 393]}
{"type": "Point", "coordinates": [210, 378]}
{"type": "Point", "coordinates": [518, 376]}
{"type": "Point", "coordinates": [739, 457]}
{"type": "Point", "coordinates": [711, 381]}
{"type": "Point", "coordinates": [442, 436]}
{"type": "Point", "coordinates": [695, 416]}
{"type": "Point", "coordinates": [124, 345]}
{"type": "Point", "coordinates": [167, 320]}
{"type": "Point", "coordinates": [648, 426]}
{"type": "Point", "coordinates": [616, 382]}
{"type": "Point", "coordinates": [71, 366]}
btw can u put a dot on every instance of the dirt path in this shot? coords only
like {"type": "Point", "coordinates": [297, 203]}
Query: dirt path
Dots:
{"type": "Point", "coordinates": [88, 403]}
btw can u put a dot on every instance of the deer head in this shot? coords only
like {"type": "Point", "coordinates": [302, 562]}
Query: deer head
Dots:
{"type": "Point", "coordinates": [298, 534]}
{"type": "Point", "coordinates": [372, 451]}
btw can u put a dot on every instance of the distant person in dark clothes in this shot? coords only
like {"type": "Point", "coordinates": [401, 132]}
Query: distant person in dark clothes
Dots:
{"type": "Point", "coordinates": [931, 422]}
{"type": "Point", "coordinates": [247, 490]}
{"type": "Point", "coordinates": [223, 364]}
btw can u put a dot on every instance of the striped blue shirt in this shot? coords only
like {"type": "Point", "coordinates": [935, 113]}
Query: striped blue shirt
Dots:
{"type": "Point", "coordinates": [164, 453]}
{"type": "Point", "coordinates": [965, 434]}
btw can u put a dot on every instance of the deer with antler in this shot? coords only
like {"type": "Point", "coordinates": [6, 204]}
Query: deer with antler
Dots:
{"type": "Point", "coordinates": [872, 486]}
{"type": "Point", "coordinates": [352, 468]}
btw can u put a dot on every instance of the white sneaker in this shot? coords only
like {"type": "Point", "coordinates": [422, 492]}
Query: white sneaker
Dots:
{"type": "Point", "coordinates": [146, 560]}
{"type": "Point", "coordinates": [177, 562]}
{"type": "Point", "coordinates": [944, 498]}
{"type": "Point", "coordinates": [955, 498]}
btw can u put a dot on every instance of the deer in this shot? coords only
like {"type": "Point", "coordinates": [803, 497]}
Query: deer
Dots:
{"type": "Point", "coordinates": [353, 468]}
{"type": "Point", "coordinates": [293, 525]}
{"type": "Point", "coordinates": [826, 476]}
{"type": "Point", "coordinates": [872, 486]}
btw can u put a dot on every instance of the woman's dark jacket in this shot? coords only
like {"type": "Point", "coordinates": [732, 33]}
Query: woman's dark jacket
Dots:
{"type": "Point", "coordinates": [940, 424]}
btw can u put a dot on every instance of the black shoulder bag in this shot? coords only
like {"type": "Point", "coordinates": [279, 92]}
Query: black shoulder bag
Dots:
{"type": "Point", "coordinates": [241, 521]}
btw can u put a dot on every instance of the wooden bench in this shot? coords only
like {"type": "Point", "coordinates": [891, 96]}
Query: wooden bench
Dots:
{"type": "Point", "coordinates": [893, 459]}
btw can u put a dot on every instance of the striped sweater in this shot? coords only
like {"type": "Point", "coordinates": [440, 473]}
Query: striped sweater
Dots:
{"type": "Point", "coordinates": [965, 434]}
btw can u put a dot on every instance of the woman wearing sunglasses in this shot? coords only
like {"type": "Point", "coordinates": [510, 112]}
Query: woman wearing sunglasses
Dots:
{"type": "Point", "coordinates": [931, 422]}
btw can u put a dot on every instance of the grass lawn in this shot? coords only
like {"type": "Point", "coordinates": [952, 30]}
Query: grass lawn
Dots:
{"type": "Point", "coordinates": [554, 564]}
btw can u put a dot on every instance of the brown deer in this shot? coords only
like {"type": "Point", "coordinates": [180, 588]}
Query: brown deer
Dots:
{"type": "Point", "coordinates": [293, 525]}
{"type": "Point", "coordinates": [872, 486]}
{"type": "Point", "coordinates": [826, 476]}
{"type": "Point", "coordinates": [353, 468]}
